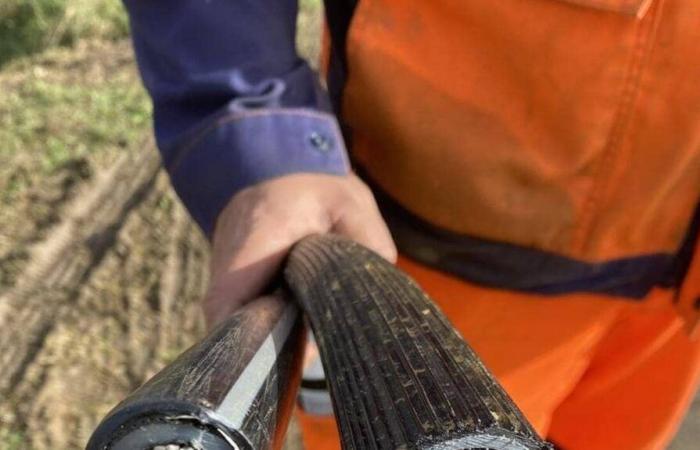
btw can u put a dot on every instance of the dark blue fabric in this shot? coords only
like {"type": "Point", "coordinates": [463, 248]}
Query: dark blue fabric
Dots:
{"type": "Point", "coordinates": [222, 63]}
{"type": "Point", "coordinates": [285, 142]}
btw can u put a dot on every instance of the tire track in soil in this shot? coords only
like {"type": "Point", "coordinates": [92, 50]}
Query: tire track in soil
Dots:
{"type": "Point", "coordinates": [55, 192]}
{"type": "Point", "coordinates": [101, 271]}
{"type": "Point", "coordinates": [108, 297]}
{"type": "Point", "coordinates": [63, 260]}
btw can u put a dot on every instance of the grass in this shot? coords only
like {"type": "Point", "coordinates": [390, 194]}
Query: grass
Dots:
{"type": "Point", "coordinates": [63, 99]}
{"type": "Point", "coordinates": [92, 107]}
{"type": "Point", "coordinates": [56, 117]}
{"type": "Point", "coordinates": [64, 120]}
{"type": "Point", "coordinates": [69, 98]}
{"type": "Point", "coordinates": [12, 440]}
{"type": "Point", "coordinates": [31, 26]}
{"type": "Point", "coordinates": [308, 30]}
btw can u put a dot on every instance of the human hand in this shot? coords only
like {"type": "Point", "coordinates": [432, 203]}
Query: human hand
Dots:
{"type": "Point", "coordinates": [261, 223]}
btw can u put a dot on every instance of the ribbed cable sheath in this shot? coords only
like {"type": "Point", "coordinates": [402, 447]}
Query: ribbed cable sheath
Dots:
{"type": "Point", "coordinates": [400, 375]}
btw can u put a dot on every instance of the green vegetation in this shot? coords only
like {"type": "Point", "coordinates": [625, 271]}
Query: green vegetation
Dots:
{"type": "Point", "coordinates": [69, 89]}
{"type": "Point", "coordinates": [309, 30]}
{"type": "Point", "coordinates": [310, 4]}
{"type": "Point", "coordinates": [67, 106]}
{"type": "Point", "coordinates": [62, 119]}
{"type": "Point", "coordinates": [30, 26]}
{"type": "Point", "coordinates": [71, 104]}
{"type": "Point", "coordinates": [11, 440]}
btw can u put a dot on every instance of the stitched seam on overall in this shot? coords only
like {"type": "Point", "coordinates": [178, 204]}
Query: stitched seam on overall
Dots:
{"type": "Point", "coordinates": [617, 169]}
{"type": "Point", "coordinates": [605, 166]}
{"type": "Point", "coordinates": [200, 136]}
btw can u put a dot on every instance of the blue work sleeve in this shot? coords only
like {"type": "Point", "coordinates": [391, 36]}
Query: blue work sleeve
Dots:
{"type": "Point", "coordinates": [233, 102]}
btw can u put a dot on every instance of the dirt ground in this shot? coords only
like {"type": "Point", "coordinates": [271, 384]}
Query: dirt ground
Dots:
{"type": "Point", "coordinates": [101, 268]}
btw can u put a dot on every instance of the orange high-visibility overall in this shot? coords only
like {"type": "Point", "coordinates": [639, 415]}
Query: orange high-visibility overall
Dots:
{"type": "Point", "coordinates": [544, 157]}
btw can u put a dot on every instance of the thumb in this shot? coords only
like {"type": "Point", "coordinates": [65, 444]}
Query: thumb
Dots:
{"type": "Point", "coordinates": [366, 226]}
{"type": "Point", "coordinates": [244, 264]}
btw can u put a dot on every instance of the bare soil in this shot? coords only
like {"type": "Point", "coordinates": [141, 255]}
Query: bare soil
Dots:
{"type": "Point", "coordinates": [107, 296]}
{"type": "Point", "coordinates": [101, 270]}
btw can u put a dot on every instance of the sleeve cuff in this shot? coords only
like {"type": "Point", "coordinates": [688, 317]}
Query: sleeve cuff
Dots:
{"type": "Point", "coordinates": [245, 148]}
